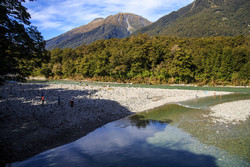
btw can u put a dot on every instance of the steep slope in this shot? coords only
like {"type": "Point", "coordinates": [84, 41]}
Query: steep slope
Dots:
{"type": "Point", "coordinates": [54, 42]}
{"type": "Point", "coordinates": [204, 18]}
{"type": "Point", "coordinates": [117, 26]}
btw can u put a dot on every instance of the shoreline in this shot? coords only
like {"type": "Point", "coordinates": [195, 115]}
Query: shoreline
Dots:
{"type": "Point", "coordinates": [28, 127]}
{"type": "Point", "coordinates": [143, 84]}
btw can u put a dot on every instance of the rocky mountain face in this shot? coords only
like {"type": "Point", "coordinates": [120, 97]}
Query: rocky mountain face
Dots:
{"type": "Point", "coordinates": [118, 26]}
{"type": "Point", "coordinates": [204, 18]}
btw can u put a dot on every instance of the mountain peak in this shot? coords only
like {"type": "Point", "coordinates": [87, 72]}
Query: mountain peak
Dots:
{"type": "Point", "coordinates": [114, 26]}
{"type": "Point", "coordinates": [98, 19]}
{"type": "Point", "coordinates": [130, 21]}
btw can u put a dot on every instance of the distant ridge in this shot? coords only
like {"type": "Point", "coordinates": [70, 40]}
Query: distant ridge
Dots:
{"type": "Point", "coordinates": [204, 18]}
{"type": "Point", "coordinates": [118, 26]}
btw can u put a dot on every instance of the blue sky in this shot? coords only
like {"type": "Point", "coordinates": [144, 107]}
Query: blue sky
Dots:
{"type": "Point", "coordinates": [54, 17]}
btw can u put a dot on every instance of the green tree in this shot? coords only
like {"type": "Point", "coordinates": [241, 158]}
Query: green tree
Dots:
{"type": "Point", "coordinates": [182, 67]}
{"type": "Point", "coordinates": [160, 59]}
{"type": "Point", "coordinates": [22, 48]}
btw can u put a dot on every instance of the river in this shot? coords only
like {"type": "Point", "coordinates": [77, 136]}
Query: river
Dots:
{"type": "Point", "coordinates": [179, 134]}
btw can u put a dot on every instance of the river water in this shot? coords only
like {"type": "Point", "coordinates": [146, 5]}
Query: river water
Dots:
{"type": "Point", "coordinates": [179, 134]}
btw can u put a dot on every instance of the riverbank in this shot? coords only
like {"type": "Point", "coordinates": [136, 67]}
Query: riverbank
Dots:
{"type": "Point", "coordinates": [232, 112]}
{"type": "Point", "coordinates": [29, 127]}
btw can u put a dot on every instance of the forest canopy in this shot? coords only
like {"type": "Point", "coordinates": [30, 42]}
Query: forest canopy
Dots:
{"type": "Point", "coordinates": [155, 60]}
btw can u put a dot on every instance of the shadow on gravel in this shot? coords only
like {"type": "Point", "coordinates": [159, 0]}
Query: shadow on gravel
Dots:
{"type": "Point", "coordinates": [28, 127]}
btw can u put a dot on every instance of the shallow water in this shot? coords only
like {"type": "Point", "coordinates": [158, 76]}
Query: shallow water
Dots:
{"type": "Point", "coordinates": [205, 88]}
{"type": "Point", "coordinates": [170, 135]}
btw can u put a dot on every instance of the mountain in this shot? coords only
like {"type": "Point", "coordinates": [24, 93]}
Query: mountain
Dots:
{"type": "Point", "coordinates": [118, 26]}
{"type": "Point", "coordinates": [204, 18]}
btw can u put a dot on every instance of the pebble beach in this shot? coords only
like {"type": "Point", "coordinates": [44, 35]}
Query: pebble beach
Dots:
{"type": "Point", "coordinates": [30, 126]}
{"type": "Point", "coordinates": [232, 112]}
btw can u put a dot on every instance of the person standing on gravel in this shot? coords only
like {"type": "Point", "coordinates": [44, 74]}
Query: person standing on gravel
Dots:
{"type": "Point", "coordinates": [71, 102]}
{"type": "Point", "coordinates": [59, 101]}
{"type": "Point", "coordinates": [42, 99]}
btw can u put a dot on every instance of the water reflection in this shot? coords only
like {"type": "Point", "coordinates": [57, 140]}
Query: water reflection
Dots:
{"type": "Point", "coordinates": [170, 135]}
{"type": "Point", "coordinates": [121, 143]}
{"type": "Point", "coordinates": [114, 145]}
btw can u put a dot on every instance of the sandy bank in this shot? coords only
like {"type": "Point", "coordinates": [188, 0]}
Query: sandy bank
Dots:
{"type": "Point", "coordinates": [231, 112]}
{"type": "Point", "coordinates": [29, 127]}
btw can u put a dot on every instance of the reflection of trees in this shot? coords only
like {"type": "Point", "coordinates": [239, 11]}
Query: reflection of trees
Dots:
{"type": "Point", "coordinates": [141, 121]}
{"type": "Point", "coordinates": [165, 121]}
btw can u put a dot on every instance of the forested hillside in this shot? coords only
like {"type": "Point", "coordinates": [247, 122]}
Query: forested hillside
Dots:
{"type": "Point", "coordinates": [204, 18]}
{"type": "Point", "coordinates": [158, 59]}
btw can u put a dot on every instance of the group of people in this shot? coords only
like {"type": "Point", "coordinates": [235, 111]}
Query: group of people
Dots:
{"type": "Point", "coordinates": [71, 102]}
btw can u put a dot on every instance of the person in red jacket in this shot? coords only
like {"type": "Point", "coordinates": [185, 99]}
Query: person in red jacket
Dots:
{"type": "Point", "coordinates": [42, 99]}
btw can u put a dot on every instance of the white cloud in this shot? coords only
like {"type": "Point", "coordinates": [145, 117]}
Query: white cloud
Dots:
{"type": "Point", "coordinates": [62, 15]}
